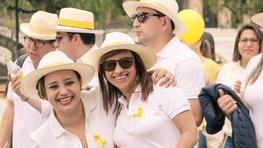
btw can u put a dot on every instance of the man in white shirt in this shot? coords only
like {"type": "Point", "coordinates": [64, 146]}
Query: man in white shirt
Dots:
{"type": "Point", "coordinates": [157, 26]}
{"type": "Point", "coordinates": [20, 119]}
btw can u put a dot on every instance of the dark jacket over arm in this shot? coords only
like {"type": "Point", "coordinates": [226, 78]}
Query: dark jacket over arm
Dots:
{"type": "Point", "coordinates": [243, 130]}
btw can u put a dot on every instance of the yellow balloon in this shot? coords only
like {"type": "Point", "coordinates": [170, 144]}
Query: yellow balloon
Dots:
{"type": "Point", "coordinates": [194, 24]}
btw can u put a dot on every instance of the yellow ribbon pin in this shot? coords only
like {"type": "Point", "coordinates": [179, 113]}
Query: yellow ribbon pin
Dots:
{"type": "Point", "coordinates": [139, 114]}
{"type": "Point", "coordinates": [99, 140]}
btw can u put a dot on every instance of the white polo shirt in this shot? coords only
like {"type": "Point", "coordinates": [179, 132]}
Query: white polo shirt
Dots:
{"type": "Point", "coordinates": [26, 118]}
{"type": "Point", "coordinates": [152, 127]}
{"type": "Point", "coordinates": [52, 135]}
{"type": "Point", "coordinates": [185, 65]}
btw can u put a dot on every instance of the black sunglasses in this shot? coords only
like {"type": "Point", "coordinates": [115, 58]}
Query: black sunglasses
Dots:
{"type": "Point", "coordinates": [142, 16]}
{"type": "Point", "coordinates": [110, 65]}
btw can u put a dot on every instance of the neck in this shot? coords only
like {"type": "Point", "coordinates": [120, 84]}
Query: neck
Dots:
{"type": "Point", "coordinates": [73, 118]}
{"type": "Point", "coordinates": [243, 63]}
{"type": "Point", "coordinates": [128, 92]}
{"type": "Point", "coordinates": [159, 42]}
{"type": "Point", "coordinates": [81, 50]}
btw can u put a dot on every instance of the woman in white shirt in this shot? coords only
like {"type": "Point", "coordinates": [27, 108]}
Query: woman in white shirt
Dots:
{"type": "Point", "coordinates": [149, 116]}
{"type": "Point", "coordinates": [77, 120]}
{"type": "Point", "coordinates": [251, 91]}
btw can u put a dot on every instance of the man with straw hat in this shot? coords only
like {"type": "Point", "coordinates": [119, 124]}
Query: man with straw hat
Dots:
{"type": "Point", "coordinates": [156, 25]}
{"type": "Point", "coordinates": [76, 33]}
{"type": "Point", "coordinates": [19, 117]}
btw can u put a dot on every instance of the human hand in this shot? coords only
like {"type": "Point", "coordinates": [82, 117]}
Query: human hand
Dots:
{"type": "Point", "coordinates": [15, 84]}
{"type": "Point", "coordinates": [164, 77]}
{"type": "Point", "coordinates": [226, 103]}
{"type": "Point", "coordinates": [237, 86]}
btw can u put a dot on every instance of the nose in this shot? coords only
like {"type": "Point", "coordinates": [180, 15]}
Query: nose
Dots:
{"type": "Point", "coordinates": [32, 46]}
{"type": "Point", "coordinates": [56, 44]}
{"type": "Point", "coordinates": [118, 69]}
{"type": "Point", "coordinates": [135, 23]}
{"type": "Point", "coordinates": [63, 90]}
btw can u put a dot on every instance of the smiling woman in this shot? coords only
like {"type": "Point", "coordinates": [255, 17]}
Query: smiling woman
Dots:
{"type": "Point", "coordinates": [77, 119]}
{"type": "Point", "coordinates": [149, 115]}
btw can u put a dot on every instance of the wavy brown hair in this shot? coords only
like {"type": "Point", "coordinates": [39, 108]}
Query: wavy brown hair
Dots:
{"type": "Point", "coordinates": [110, 93]}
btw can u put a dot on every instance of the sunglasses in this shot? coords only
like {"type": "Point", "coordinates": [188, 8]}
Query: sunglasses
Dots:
{"type": "Point", "coordinates": [124, 63]}
{"type": "Point", "coordinates": [142, 16]}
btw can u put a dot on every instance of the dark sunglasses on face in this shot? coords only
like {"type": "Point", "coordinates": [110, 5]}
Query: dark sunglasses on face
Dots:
{"type": "Point", "coordinates": [38, 43]}
{"type": "Point", "coordinates": [124, 63]}
{"type": "Point", "coordinates": [142, 16]}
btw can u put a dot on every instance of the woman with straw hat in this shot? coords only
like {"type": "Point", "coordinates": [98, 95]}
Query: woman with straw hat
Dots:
{"type": "Point", "coordinates": [78, 119]}
{"type": "Point", "coordinates": [149, 115]}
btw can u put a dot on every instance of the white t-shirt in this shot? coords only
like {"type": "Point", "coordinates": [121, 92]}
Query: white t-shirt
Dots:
{"type": "Point", "coordinates": [52, 135]}
{"type": "Point", "coordinates": [185, 65]}
{"type": "Point", "coordinates": [26, 118]}
{"type": "Point", "coordinates": [228, 75]}
{"type": "Point", "coordinates": [152, 126]}
{"type": "Point", "coordinates": [253, 97]}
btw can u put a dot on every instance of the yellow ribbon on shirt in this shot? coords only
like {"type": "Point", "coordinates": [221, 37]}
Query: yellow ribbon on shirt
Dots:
{"type": "Point", "coordinates": [99, 140]}
{"type": "Point", "coordinates": [139, 114]}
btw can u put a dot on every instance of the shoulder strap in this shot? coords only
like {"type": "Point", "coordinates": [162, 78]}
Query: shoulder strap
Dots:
{"type": "Point", "coordinates": [20, 61]}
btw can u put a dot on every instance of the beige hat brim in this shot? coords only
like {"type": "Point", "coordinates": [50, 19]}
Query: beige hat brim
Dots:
{"type": "Point", "coordinates": [130, 7]}
{"type": "Point", "coordinates": [258, 19]}
{"type": "Point", "coordinates": [60, 28]}
{"type": "Point", "coordinates": [24, 27]}
{"type": "Point", "coordinates": [147, 56]}
{"type": "Point", "coordinates": [29, 83]}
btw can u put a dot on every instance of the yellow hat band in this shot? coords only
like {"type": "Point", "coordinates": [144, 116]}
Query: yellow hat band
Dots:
{"type": "Point", "coordinates": [76, 24]}
{"type": "Point", "coordinates": [41, 31]}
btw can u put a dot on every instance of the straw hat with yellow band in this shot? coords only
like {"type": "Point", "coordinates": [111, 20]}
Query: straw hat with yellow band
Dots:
{"type": "Point", "coordinates": [76, 20]}
{"type": "Point", "coordinates": [117, 41]}
{"type": "Point", "coordinates": [258, 19]}
{"type": "Point", "coordinates": [167, 7]}
{"type": "Point", "coordinates": [51, 62]}
{"type": "Point", "coordinates": [41, 26]}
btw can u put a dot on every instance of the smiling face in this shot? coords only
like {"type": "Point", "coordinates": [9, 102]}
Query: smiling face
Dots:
{"type": "Point", "coordinates": [63, 91]}
{"type": "Point", "coordinates": [124, 78]}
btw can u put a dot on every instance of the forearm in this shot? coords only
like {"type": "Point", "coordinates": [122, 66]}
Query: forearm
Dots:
{"type": "Point", "coordinates": [6, 128]}
{"type": "Point", "coordinates": [187, 140]}
{"type": "Point", "coordinates": [35, 103]}
{"type": "Point", "coordinates": [196, 110]}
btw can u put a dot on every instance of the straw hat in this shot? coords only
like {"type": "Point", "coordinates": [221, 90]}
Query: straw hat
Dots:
{"type": "Point", "coordinates": [41, 26]}
{"type": "Point", "coordinates": [76, 20]}
{"type": "Point", "coordinates": [51, 62]}
{"type": "Point", "coordinates": [118, 40]}
{"type": "Point", "coordinates": [167, 7]}
{"type": "Point", "coordinates": [258, 19]}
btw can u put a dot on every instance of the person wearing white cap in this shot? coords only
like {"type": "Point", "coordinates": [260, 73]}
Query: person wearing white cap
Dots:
{"type": "Point", "coordinates": [156, 25]}
{"type": "Point", "coordinates": [77, 119]}
{"type": "Point", "coordinates": [149, 115]}
{"type": "Point", "coordinates": [251, 90]}
{"type": "Point", "coordinates": [19, 117]}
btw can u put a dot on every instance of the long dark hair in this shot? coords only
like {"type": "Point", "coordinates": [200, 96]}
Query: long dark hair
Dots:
{"type": "Point", "coordinates": [236, 54]}
{"type": "Point", "coordinates": [110, 93]}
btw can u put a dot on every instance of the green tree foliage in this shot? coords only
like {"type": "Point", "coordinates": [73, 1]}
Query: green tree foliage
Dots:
{"type": "Point", "coordinates": [238, 8]}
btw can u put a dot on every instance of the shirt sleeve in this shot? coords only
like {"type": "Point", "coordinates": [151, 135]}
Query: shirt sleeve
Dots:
{"type": "Point", "coordinates": [172, 101]}
{"type": "Point", "coordinates": [190, 77]}
{"type": "Point", "coordinates": [46, 109]}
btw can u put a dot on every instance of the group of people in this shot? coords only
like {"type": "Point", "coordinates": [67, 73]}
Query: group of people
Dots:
{"type": "Point", "coordinates": [122, 94]}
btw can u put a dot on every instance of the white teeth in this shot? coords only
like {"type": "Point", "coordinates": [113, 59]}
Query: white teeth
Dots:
{"type": "Point", "coordinates": [120, 77]}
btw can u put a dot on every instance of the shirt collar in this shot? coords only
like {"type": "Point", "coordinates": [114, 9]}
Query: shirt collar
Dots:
{"type": "Point", "coordinates": [169, 48]}
{"type": "Point", "coordinates": [135, 94]}
{"type": "Point", "coordinates": [56, 128]}
{"type": "Point", "coordinates": [83, 58]}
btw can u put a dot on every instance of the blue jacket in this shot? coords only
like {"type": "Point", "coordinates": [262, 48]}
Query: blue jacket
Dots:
{"type": "Point", "coordinates": [243, 130]}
